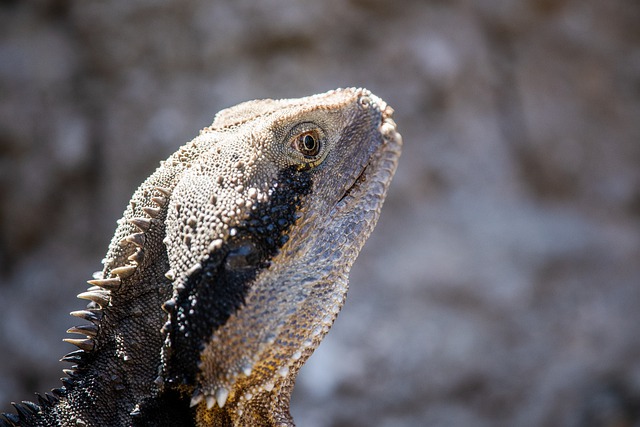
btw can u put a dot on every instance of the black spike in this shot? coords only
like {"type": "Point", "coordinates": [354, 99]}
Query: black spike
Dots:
{"type": "Point", "coordinates": [74, 356]}
{"type": "Point", "coordinates": [43, 401]}
{"type": "Point", "coordinates": [24, 411]}
{"type": "Point", "coordinates": [68, 382]}
{"type": "Point", "coordinates": [71, 373]}
{"type": "Point", "coordinates": [59, 392]}
{"type": "Point", "coordinates": [159, 381]}
{"type": "Point", "coordinates": [166, 327]}
{"type": "Point", "coordinates": [90, 330]}
{"type": "Point", "coordinates": [32, 406]}
{"type": "Point", "coordinates": [93, 316]}
{"type": "Point", "coordinates": [10, 420]}
{"type": "Point", "coordinates": [51, 399]}
{"type": "Point", "coordinates": [169, 306]}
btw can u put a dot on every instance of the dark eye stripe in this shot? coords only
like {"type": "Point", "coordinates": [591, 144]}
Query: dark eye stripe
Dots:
{"type": "Point", "coordinates": [218, 289]}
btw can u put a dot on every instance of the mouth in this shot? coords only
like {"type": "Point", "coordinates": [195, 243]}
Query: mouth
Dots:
{"type": "Point", "coordinates": [361, 179]}
{"type": "Point", "coordinates": [388, 150]}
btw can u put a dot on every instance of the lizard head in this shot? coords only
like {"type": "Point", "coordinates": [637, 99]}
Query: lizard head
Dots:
{"type": "Point", "coordinates": [268, 210]}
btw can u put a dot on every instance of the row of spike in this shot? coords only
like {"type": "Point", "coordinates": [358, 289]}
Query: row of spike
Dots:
{"type": "Point", "coordinates": [220, 397]}
{"type": "Point", "coordinates": [26, 409]}
{"type": "Point", "coordinates": [101, 288]}
{"type": "Point", "coordinates": [99, 294]}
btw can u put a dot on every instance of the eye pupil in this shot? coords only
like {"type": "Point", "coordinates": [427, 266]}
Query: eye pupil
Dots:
{"type": "Point", "coordinates": [307, 144]}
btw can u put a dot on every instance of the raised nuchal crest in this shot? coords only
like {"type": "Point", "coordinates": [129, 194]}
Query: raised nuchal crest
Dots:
{"type": "Point", "coordinates": [229, 266]}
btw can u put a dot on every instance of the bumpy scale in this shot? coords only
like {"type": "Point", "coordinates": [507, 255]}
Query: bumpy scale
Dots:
{"type": "Point", "coordinates": [227, 269]}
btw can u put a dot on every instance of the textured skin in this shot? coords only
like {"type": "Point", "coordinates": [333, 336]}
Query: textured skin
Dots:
{"type": "Point", "coordinates": [228, 267]}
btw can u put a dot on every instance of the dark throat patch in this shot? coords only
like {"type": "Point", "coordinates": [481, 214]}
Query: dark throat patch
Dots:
{"type": "Point", "coordinates": [217, 290]}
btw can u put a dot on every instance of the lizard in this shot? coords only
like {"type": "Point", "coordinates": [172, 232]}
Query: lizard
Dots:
{"type": "Point", "coordinates": [227, 269]}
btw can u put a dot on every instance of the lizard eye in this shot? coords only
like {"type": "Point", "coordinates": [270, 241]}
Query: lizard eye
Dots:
{"type": "Point", "coordinates": [307, 143]}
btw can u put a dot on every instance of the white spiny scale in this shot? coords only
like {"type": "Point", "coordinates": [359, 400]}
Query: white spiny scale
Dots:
{"type": "Point", "coordinates": [196, 399]}
{"type": "Point", "coordinates": [136, 410]}
{"type": "Point", "coordinates": [222, 394]}
{"type": "Point", "coordinates": [211, 401]}
{"type": "Point", "coordinates": [246, 369]}
{"type": "Point", "coordinates": [283, 371]}
{"type": "Point", "coordinates": [214, 245]}
{"type": "Point", "coordinates": [194, 268]}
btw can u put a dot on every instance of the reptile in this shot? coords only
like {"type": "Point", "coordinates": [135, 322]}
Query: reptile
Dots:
{"type": "Point", "coordinates": [227, 269]}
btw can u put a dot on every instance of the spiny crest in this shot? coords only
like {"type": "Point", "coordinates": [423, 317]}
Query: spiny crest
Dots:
{"type": "Point", "coordinates": [26, 411]}
{"type": "Point", "coordinates": [99, 294]}
{"type": "Point", "coordinates": [99, 297]}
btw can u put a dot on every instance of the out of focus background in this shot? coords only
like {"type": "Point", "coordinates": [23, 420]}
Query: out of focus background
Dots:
{"type": "Point", "coordinates": [502, 285]}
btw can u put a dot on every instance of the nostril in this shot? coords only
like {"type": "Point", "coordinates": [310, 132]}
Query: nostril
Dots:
{"type": "Point", "coordinates": [365, 101]}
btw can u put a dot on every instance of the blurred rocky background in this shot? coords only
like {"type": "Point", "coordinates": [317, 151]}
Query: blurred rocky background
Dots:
{"type": "Point", "coordinates": [502, 285]}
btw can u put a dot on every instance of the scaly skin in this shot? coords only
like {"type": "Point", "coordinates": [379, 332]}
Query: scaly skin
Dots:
{"type": "Point", "coordinates": [228, 267]}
